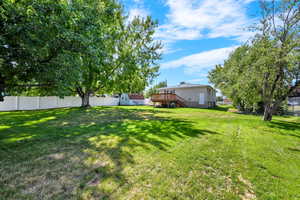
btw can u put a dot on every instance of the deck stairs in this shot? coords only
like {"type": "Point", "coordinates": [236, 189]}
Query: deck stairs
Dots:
{"type": "Point", "coordinates": [168, 100]}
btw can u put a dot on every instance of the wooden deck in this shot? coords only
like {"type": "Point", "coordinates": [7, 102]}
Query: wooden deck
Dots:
{"type": "Point", "coordinates": [168, 100]}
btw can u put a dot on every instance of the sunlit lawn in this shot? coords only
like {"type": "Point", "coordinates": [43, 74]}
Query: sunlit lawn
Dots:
{"type": "Point", "coordinates": [148, 153]}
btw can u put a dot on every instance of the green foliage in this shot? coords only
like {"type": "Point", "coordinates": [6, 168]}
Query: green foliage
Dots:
{"type": "Point", "coordinates": [75, 47]}
{"type": "Point", "coordinates": [36, 41]}
{"type": "Point", "coordinates": [219, 98]}
{"type": "Point", "coordinates": [136, 64]}
{"type": "Point", "coordinates": [230, 80]}
{"type": "Point", "coordinates": [154, 89]}
{"type": "Point", "coordinates": [260, 75]}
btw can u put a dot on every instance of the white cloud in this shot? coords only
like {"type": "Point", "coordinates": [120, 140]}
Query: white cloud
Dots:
{"type": "Point", "coordinates": [198, 62]}
{"type": "Point", "coordinates": [137, 12]}
{"type": "Point", "coordinates": [195, 19]}
{"type": "Point", "coordinates": [168, 50]}
{"type": "Point", "coordinates": [172, 32]}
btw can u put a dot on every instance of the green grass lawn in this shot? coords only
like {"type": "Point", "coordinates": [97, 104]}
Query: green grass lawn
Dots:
{"type": "Point", "coordinates": [148, 153]}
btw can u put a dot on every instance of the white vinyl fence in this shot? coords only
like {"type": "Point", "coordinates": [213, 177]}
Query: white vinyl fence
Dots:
{"type": "Point", "coordinates": [38, 103]}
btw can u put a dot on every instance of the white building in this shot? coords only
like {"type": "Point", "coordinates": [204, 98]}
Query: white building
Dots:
{"type": "Point", "coordinates": [132, 100]}
{"type": "Point", "coordinates": [193, 95]}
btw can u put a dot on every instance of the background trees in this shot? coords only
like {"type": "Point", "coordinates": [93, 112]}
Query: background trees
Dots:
{"type": "Point", "coordinates": [264, 72]}
{"type": "Point", "coordinates": [154, 89]}
{"type": "Point", "coordinates": [74, 47]}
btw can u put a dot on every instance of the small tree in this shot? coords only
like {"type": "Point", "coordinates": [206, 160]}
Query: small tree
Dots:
{"type": "Point", "coordinates": [154, 89]}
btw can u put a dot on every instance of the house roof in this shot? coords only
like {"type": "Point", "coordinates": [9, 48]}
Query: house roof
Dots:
{"type": "Point", "coordinates": [186, 85]}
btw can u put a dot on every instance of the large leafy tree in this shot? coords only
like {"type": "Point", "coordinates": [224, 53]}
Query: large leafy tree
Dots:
{"type": "Point", "coordinates": [265, 71]}
{"type": "Point", "coordinates": [69, 47]}
{"type": "Point", "coordinates": [234, 80]}
{"type": "Point", "coordinates": [121, 56]}
{"type": "Point", "coordinates": [140, 57]}
{"type": "Point", "coordinates": [281, 25]}
{"type": "Point", "coordinates": [34, 37]}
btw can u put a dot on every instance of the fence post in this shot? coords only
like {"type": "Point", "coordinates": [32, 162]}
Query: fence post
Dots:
{"type": "Point", "coordinates": [39, 102]}
{"type": "Point", "coordinates": [17, 102]}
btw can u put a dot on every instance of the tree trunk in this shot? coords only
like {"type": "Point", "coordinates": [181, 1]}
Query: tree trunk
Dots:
{"type": "Point", "coordinates": [268, 113]}
{"type": "Point", "coordinates": [85, 100]}
{"type": "Point", "coordinates": [2, 87]}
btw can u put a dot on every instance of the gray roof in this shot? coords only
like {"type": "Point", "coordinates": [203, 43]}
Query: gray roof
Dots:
{"type": "Point", "coordinates": [187, 85]}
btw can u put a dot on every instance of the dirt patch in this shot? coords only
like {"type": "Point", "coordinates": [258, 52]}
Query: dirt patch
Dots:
{"type": "Point", "coordinates": [57, 156]}
{"type": "Point", "coordinates": [248, 193]}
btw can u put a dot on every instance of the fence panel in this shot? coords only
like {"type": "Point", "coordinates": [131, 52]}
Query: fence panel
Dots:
{"type": "Point", "coordinates": [294, 105]}
{"type": "Point", "coordinates": [10, 103]}
{"type": "Point", "coordinates": [48, 102]}
{"type": "Point", "coordinates": [28, 103]}
{"type": "Point", "coordinates": [36, 103]}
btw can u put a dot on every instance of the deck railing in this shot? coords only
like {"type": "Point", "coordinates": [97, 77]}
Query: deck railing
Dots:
{"type": "Point", "coordinates": [163, 97]}
{"type": "Point", "coordinates": [167, 98]}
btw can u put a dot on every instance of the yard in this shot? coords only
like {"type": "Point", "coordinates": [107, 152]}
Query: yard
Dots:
{"type": "Point", "coordinates": [148, 153]}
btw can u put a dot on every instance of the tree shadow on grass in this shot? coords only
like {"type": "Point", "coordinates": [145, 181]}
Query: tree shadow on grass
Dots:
{"type": "Point", "coordinates": [221, 108]}
{"type": "Point", "coordinates": [289, 128]}
{"type": "Point", "coordinates": [294, 149]}
{"type": "Point", "coordinates": [75, 153]}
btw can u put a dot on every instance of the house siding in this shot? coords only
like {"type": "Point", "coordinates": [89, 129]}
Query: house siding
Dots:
{"type": "Point", "coordinates": [191, 95]}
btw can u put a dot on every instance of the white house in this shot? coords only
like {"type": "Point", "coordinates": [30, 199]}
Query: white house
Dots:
{"type": "Point", "coordinates": [193, 95]}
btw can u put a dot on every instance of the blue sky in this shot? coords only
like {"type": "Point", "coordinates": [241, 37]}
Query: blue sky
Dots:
{"type": "Point", "coordinates": [197, 34]}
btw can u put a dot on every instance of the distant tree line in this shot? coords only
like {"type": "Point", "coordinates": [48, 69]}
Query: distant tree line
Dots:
{"type": "Point", "coordinates": [260, 75]}
{"type": "Point", "coordinates": [68, 47]}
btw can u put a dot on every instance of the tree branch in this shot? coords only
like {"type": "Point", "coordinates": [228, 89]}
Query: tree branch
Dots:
{"type": "Point", "coordinates": [79, 91]}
